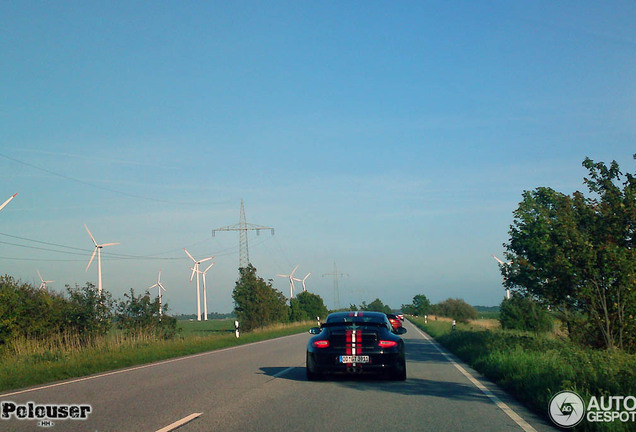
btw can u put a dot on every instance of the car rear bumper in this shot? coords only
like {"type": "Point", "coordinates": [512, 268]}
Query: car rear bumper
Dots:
{"type": "Point", "coordinates": [328, 362]}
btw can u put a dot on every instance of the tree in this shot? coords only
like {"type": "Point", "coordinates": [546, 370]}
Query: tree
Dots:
{"type": "Point", "coordinates": [89, 314]}
{"type": "Point", "coordinates": [297, 313]}
{"type": "Point", "coordinates": [522, 312]}
{"type": "Point", "coordinates": [376, 306]}
{"type": "Point", "coordinates": [26, 311]}
{"type": "Point", "coordinates": [312, 304]}
{"type": "Point", "coordinates": [457, 309]}
{"type": "Point", "coordinates": [256, 302]}
{"type": "Point", "coordinates": [140, 314]}
{"type": "Point", "coordinates": [419, 307]}
{"type": "Point", "coordinates": [577, 253]}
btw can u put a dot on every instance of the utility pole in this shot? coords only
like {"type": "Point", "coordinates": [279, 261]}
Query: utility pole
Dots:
{"type": "Point", "coordinates": [336, 275]}
{"type": "Point", "coordinates": [243, 227]}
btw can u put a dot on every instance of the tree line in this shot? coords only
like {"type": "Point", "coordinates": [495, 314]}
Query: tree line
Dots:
{"type": "Point", "coordinates": [29, 312]}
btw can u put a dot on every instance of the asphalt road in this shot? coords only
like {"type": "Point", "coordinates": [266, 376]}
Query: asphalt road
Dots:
{"type": "Point", "coordinates": [262, 387]}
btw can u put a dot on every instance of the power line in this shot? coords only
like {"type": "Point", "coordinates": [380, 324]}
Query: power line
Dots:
{"type": "Point", "coordinates": [96, 186]}
{"type": "Point", "coordinates": [336, 275]}
{"type": "Point", "coordinates": [243, 227]}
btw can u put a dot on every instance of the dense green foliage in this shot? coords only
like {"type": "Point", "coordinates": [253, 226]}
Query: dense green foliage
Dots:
{"type": "Point", "coordinates": [256, 302]}
{"type": "Point", "coordinates": [420, 306]}
{"type": "Point", "coordinates": [376, 306]}
{"type": "Point", "coordinates": [533, 367]}
{"type": "Point", "coordinates": [27, 312]}
{"type": "Point", "coordinates": [311, 307]}
{"type": "Point", "coordinates": [524, 313]}
{"type": "Point", "coordinates": [578, 255]}
{"type": "Point", "coordinates": [141, 313]}
{"type": "Point", "coordinates": [457, 309]}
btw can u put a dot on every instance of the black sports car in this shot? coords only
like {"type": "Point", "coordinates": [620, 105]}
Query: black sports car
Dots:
{"type": "Point", "coordinates": [355, 343]}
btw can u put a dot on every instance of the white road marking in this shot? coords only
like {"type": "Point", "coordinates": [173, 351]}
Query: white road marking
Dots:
{"type": "Point", "coordinates": [505, 408]}
{"type": "Point", "coordinates": [149, 365]}
{"type": "Point", "coordinates": [180, 423]}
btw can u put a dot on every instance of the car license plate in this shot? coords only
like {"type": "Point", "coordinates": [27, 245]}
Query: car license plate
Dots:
{"type": "Point", "coordinates": [353, 359]}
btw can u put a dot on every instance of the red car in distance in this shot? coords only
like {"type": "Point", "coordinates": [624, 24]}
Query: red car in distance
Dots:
{"type": "Point", "coordinates": [395, 320]}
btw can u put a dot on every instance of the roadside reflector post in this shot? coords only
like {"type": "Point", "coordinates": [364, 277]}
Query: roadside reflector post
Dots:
{"type": "Point", "coordinates": [425, 319]}
{"type": "Point", "coordinates": [454, 323]}
{"type": "Point", "coordinates": [236, 329]}
{"type": "Point", "coordinates": [318, 319]}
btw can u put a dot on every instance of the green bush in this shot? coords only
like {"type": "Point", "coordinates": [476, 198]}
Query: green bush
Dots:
{"type": "Point", "coordinates": [523, 313]}
{"type": "Point", "coordinates": [457, 309]}
{"type": "Point", "coordinates": [140, 314]}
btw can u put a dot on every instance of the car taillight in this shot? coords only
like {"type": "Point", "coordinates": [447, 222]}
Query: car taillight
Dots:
{"type": "Point", "coordinates": [321, 344]}
{"type": "Point", "coordinates": [387, 344]}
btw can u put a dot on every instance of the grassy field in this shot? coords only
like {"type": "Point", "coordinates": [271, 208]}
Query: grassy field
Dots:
{"type": "Point", "coordinates": [32, 362]}
{"type": "Point", "coordinates": [205, 328]}
{"type": "Point", "coordinates": [534, 367]}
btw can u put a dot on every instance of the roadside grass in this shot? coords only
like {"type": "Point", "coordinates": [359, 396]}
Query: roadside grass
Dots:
{"type": "Point", "coordinates": [26, 363]}
{"type": "Point", "coordinates": [203, 328]}
{"type": "Point", "coordinates": [533, 367]}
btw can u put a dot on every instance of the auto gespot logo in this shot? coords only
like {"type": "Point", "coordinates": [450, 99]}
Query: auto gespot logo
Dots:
{"type": "Point", "coordinates": [567, 409]}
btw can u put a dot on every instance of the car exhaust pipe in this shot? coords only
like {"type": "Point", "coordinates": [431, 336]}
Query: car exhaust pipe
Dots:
{"type": "Point", "coordinates": [354, 370]}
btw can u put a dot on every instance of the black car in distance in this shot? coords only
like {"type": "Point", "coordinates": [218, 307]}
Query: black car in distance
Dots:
{"type": "Point", "coordinates": [356, 343]}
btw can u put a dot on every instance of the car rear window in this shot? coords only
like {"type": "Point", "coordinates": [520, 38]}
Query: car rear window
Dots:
{"type": "Point", "coordinates": [359, 319]}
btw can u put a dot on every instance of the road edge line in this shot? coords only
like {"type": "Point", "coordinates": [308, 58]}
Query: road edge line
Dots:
{"type": "Point", "coordinates": [500, 404]}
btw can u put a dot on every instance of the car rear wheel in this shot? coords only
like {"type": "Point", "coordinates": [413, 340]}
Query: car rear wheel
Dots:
{"type": "Point", "coordinates": [310, 369]}
{"type": "Point", "coordinates": [399, 374]}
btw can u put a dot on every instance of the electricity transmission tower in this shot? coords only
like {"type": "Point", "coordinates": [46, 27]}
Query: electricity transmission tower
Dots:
{"type": "Point", "coordinates": [243, 227]}
{"type": "Point", "coordinates": [336, 294]}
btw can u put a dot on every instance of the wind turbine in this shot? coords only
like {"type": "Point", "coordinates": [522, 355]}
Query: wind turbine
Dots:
{"type": "Point", "coordinates": [195, 269]}
{"type": "Point", "coordinates": [43, 282]}
{"type": "Point", "coordinates": [7, 201]}
{"type": "Point", "coordinates": [291, 282]}
{"type": "Point", "coordinates": [98, 250]}
{"type": "Point", "coordinates": [303, 281]}
{"type": "Point", "coordinates": [505, 265]}
{"type": "Point", "coordinates": [205, 298]}
{"type": "Point", "coordinates": [159, 288]}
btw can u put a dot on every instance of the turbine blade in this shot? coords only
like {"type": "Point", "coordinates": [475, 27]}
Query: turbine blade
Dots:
{"type": "Point", "coordinates": [109, 244]}
{"type": "Point", "coordinates": [209, 267]}
{"type": "Point", "coordinates": [92, 257]}
{"type": "Point", "coordinates": [7, 201]}
{"type": "Point", "coordinates": [191, 257]}
{"type": "Point", "coordinates": [206, 259]}
{"type": "Point", "coordinates": [294, 270]}
{"type": "Point", "coordinates": [192, 275]}
{"type": "Point", "coordinates": [283, 275]}
{"type": "Point", "coordinates": [498, 260]}
{"type": "Point", "coordinates": [162, 287]}
{"type": "Point", "coordinates": [152, 286]}
{"type": "Point", "coordinates": [89, 233]}
{"type": "Point", "coordinates": [309, 274]}
{"type": "Point", "coordinates": [40, 275]}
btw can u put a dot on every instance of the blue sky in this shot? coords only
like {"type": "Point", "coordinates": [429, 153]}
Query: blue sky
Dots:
{"type": "Point", "coordinates": [395, 138]}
